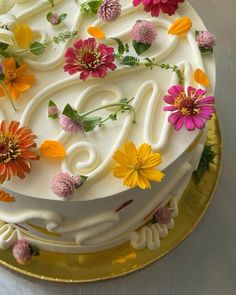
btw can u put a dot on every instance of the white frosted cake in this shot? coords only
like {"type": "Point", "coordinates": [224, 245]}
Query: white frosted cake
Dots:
{"type": "Point", "coordinates": [112, 113]}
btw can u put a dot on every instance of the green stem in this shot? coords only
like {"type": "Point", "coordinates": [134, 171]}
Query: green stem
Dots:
{"type": "Point", "coordinates": [8, 95]}
{"type": "Point", "coordinates": [121, 105]}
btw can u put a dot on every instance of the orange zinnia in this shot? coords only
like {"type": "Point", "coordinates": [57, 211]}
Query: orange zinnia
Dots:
{"type": "Point", "coordinates": [16, 80]}
{"type": "Point", "coordinates": [16, 150]}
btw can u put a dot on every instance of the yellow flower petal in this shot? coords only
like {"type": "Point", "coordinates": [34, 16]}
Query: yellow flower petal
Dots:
{"type": "Point", "coordinates": [131, 180]}
{"type": "Point", "coordinates": [180, 26]}
{"type": "Point", "coordinates": [130, 151]}
{"type": "Point", "coordinates": [96, 32]}
{"type": "Point", "coordinates": [144, 150]}
{"type": "Point", "coordinates": [152, 161]}
{"type": "Point", "coordinates": [23, 35]}
{"type": "Point", "coordinates": [120, 171]}
{"type": "Point", "coordinates": [53, 149]}
{"type": "Point", "coordinates": [152, 174]}
{"type": "Point", "coordinates": [121, 158]}
{"type": "Point", "coordinates": [201, 78]}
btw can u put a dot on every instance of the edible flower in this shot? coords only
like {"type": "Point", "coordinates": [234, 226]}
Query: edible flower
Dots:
{"type": "Point", "coordinates": [156, 6]}
{"type": "Point", "coordinates": [64, 185]}
{"type": "Point", "coordinates": [23, 251]}
{"type": "Point", "coordinates": [89, 58]}
{"type": "Point", "coordinates": [109, 10]}
{"type": "Point", "coordinates": [137, 166]}
{"type": "Point", "coordinates": [191, 109]}
{"type": "Point", "coordinates": [16, 80]}
{"type": "Point", "coordinates": [17, 150]}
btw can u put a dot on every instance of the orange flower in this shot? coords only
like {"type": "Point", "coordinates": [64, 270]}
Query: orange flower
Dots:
{"type": "Point", "coordinates": [16, 80]}
{"type": "Point", "coordinates": [16, 150]}
{"type": "Point", "coordinates": [5, 197]}
{"type": "Point", "coordinates": [137, 166]}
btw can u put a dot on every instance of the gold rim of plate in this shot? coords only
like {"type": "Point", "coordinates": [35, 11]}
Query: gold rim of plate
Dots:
{"type": "Point", "coordinates": [122, 260]}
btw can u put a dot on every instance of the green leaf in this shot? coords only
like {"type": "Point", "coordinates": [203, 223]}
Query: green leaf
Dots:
{"type": "Point", "coordinates": [207, 158]}
{"type": "Point", "coordinates": [206, 50]}
{"type": "Point", "coordinates": [5, 54]}
{"type": "Point", "coordinates": [51, 104]}
{"type": "Point", "coordinates": [130, 60]}
{"type": "Point", "coordinates": [71, 113]}
{"type": "Point", "coordinates": [34, 251]}
{"type": "Point", "coordinates": [121, 47]}
{"type": "Point", "coordinates": [90, 8]}
{"type": "Point", "coordinates": [37, 48]}
{"type": "Point", "coordinates": [91, 123]}
{"type": "Point", "coordinates": [2, 77]}
{"type": "Point", "coordinates": [3, 46]}
{"type": "Point", "coordinates": [62, 17]}
{"type": "Point", "coordinates": [48, 16]}
{"type": "Point", "coordinates": [140, 47]}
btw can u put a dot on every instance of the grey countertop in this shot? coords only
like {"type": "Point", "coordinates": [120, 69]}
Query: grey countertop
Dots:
{"type": "Point", "coordinates": [205, 263]}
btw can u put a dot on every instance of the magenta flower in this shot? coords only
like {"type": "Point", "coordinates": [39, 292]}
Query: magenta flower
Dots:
{"type": "Point", "coordinates": [191, 109]}
{"type": "Point", "coordinates": [206, 39]}
{"type": "Point", "coordinates": [110, 10]}
{"type": "Point", "coordinates": [69, 125]}
{"type": "Point", "coordinates": [156, 6]}
{"type": "Point", "coordinates": [144, 32]}
{"type": "Point", "coordinates": [89, 58]}
{"type": "Point", "coordinates": [21, 252]}
{"type": "Point", "coordinates": [163, 215]}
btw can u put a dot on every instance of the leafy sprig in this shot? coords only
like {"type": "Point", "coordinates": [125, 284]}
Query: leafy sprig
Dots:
{"type": "Point", "coordinates": [130, 60]}
{"type": "Point", "coordinates": [90, 8]}
{"type": "Point", "coordinates": [207, 158]}
{"type": "Point", "coordinates": [89, 123]}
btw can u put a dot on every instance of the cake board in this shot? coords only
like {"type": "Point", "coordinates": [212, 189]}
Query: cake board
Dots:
{"type": "Point", "coordinates": [122, 260]}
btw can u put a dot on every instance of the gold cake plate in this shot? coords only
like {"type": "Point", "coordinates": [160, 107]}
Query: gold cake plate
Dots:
{"type": "Point", "coordinates": [119, 261]}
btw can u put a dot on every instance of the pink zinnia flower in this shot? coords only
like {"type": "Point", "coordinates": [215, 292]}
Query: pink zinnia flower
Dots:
{"type": "Point", "coordinates": [21, 252]}
{"type": "Point", "coordinates": [163, 215]}
{"type": "Point", "coordinates": [89, 58]}
{"type": "Point", "coordinates": [69, 125]}
{"type": "Point", "coordinates": [206, 39]}
{"type": "Point", "coordinates": [110, 10]}
{"type": "Point", "coordinates": [144, 32]}
{"type": "Point", "coordinates": [191, 109]}
{"type": "Point", "coordinates": [156, 6]}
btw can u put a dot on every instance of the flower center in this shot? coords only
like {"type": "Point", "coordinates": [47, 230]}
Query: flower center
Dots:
{"type": "Point", "coordinates": [89, 59]}
{"type": "Point", "coordinates": [10, 75]}
{"type": "Point", "coordinates": [138, 164]}
{"type": "Point", "coordinates": [9, 149]}
{"type": "Point", "coordinates": [186, 105]}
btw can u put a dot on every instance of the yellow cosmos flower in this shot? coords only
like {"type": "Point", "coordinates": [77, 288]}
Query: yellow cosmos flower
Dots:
{"type": "Point", "coordinates": [137, 166]}
{"type": "Point", "coordinates": [23, 35]}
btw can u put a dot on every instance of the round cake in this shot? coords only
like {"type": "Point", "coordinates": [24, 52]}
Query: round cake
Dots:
{"type": "Point", "coordinates": [104, 110]}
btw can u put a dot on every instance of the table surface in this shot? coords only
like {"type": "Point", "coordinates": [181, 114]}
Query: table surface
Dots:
{"type": "Point", "coordinates": [205, 263]}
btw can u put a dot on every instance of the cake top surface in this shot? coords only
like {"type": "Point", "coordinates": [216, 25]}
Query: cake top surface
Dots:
{"type": "Point", "coordinates": [128, 100]}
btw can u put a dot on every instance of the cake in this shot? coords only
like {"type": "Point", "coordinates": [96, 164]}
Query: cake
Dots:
{"type": "Point", "coordinates": [112, 100]}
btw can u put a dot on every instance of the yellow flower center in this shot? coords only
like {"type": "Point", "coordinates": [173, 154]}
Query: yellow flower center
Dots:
{"type": "Point", "coordinates": [138, 164]}
{"type": "Point", "coordinates": [9, 149]}
{"type": "Point", "coordinates": [10, 75]}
